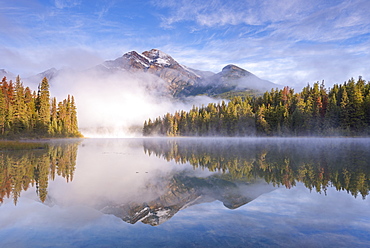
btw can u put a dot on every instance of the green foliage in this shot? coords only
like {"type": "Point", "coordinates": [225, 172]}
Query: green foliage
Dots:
{"type": "Point", "coordinates": [342, 110]}
{"type": "Point", "coordinates": [243, 94]}
{"type": "Point", "coordinates": [27, 114]}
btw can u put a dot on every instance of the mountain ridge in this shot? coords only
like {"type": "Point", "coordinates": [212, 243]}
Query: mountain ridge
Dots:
{"type": "Point", "coordinates": [183, 81]}
{"type": "Point", "coordinates": [180, 81]}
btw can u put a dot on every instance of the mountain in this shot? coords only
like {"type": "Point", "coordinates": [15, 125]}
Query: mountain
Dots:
{"type": "Point", "coordinates": [7, 74]}
{"type": "Point", "coordinates": [182, 81]}
{"type": "Point", "coordinates": [234, 76]}
{"type": "Point", "coordinates": [156, 62]}
{"type": "Point", "coordinates": [34, 80]}
{"type": "Point", "coordinates": [50, 74]}
{"type": "Point", "coordinates": [231, 79]}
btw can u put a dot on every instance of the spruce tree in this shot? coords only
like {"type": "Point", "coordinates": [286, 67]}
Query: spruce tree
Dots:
{"type": "Point", "coordinates": [43, 107]}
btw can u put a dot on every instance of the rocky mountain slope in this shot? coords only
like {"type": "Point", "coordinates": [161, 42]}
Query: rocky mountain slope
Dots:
{"type": "Point", "coordinates": [182, 81]}
{"type": "Point", "coordinates": [176, 76]}
{"type": "Point", "coordinates": [232, 78]}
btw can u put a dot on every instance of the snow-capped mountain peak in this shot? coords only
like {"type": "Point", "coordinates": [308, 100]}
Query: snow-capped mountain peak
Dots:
{"type": "Point", "coordinates": [159, 58]}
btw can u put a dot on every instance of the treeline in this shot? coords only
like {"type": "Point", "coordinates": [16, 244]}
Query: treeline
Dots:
{"type": "Point", "coordinates": [24, 113]}
{"type": "Point", "coordinates": [342, 110]}
{"type": "Point", "coordinates": [20, 171]}
{"type": "Point", "coordinates": [318, 164]}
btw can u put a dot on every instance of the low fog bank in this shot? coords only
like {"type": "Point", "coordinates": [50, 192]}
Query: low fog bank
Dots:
{"type": "Point", "coordinates": [116, 104]}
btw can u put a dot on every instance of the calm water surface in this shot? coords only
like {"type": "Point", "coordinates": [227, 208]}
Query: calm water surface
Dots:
{"type": "Point", "coordinates": [184, 192]}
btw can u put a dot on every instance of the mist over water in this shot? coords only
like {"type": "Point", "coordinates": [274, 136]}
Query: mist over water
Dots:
{"type": "Point", "coordinates": [117, 103]}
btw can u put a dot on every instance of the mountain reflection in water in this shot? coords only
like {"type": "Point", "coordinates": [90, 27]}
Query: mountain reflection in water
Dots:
{"type": "Point", "coordinates": [221, 192]}
{"type": "Point", "coordinates": [182, 191]}
{"type": "Point", "coordinates": [237, 171]}
{"type": "Point", "coordinates": [245, 167]}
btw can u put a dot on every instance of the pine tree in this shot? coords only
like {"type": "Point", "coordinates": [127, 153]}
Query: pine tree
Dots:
{"type": "Point", "coordinates": [344, 110]}
{"type": "Point", "coordinates": [262, 126]}
{"type": "Point", "coordinates": [19, 115]}
{"type": "Point", "coordinates": [53, 127]}
{"type": "Point", "coordinates": [2, 113]}
{"type": "Point", "coordinates": [74, 122]}
{"type": "Point", "coordinates": [43, 107]}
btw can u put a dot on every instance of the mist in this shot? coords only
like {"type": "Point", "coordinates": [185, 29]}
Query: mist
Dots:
{"type": "Point", "coordinates": [117, 103]}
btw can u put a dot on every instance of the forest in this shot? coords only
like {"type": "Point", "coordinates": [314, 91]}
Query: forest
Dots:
{"type": "Point", "coordinates": [27, 114]}
{"type": "Point", "coordinates": [343, 110]}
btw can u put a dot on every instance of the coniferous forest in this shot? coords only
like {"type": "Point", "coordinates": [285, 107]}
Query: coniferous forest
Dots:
{"type": "Point", "coordinates": [343, 109]}
{"type": "Point", "coordinates": [24, 113]}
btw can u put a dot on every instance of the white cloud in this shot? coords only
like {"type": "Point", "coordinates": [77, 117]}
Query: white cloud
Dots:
{"type": "Point", "coordinates": [283, 41]}
{"type": "Point", "coordinates": [61, 4]}
{"type": "Point", "coordinates": [29, 61]}
{"type": "Point", "coordinates": [302, 20]}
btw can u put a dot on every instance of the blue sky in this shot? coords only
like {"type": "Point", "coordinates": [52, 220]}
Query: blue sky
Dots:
{"type": "Point", "coordinates": [289, 42]}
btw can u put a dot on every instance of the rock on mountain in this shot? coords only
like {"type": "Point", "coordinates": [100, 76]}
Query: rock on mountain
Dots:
{"type": "Point", "coordinates": [158, 63]}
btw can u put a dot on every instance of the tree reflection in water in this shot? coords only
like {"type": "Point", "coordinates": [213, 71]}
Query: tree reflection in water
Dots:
{"type": "Point", "coordinates": [316, 162]}
{"type": "Point", "coordinates": [20, 170]}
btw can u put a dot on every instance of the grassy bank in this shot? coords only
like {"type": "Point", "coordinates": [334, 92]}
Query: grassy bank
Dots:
{"type": "Point", "coordinates": [9, 145]}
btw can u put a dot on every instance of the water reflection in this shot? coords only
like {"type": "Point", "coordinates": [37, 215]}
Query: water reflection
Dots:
{"type": "Point", "coordinates": [20, 170]}
{"type": "Point", "coordinates": [181, 191]}
{"type": "Point", "coordinates": [116, 177]}
{"type": "Point", "coordinates": [318, 163]}
{"type": "Point", "coordinates": [186, 188]}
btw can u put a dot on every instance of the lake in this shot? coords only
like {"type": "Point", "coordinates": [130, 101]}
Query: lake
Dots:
{"type": "Point", "coordinates": [187, 192]}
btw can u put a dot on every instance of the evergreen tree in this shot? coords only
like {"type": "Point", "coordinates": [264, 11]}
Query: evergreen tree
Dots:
{"type": "Point", "coordinates": [74, 122]}
{"type": "Point", "coordinates": [2, 113]}
{"type": "Point", "coordinates": [43, 108]}
{"type": "Point", "coordinates": [19, 109]}
{"type": "Point", "coordinates": [53, 128]}
{"type": "Point", "coordinates": [344, 110]}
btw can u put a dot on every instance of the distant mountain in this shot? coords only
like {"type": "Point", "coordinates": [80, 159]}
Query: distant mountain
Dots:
{"type": "Point", "coordinates": [7, 74]}
{"type": "Point", "coordinates": [32, 80]}
{"type": "Point", "coordinates": [183, 81]}
{"type": "Point", "coordinates": [180, 81]}
{"type": "Point", "coordinates": [156, 62]}
{"type": "Point", "coordinates": [231, 79]}
{"type": "Point", "coordinates": [50, 74]}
